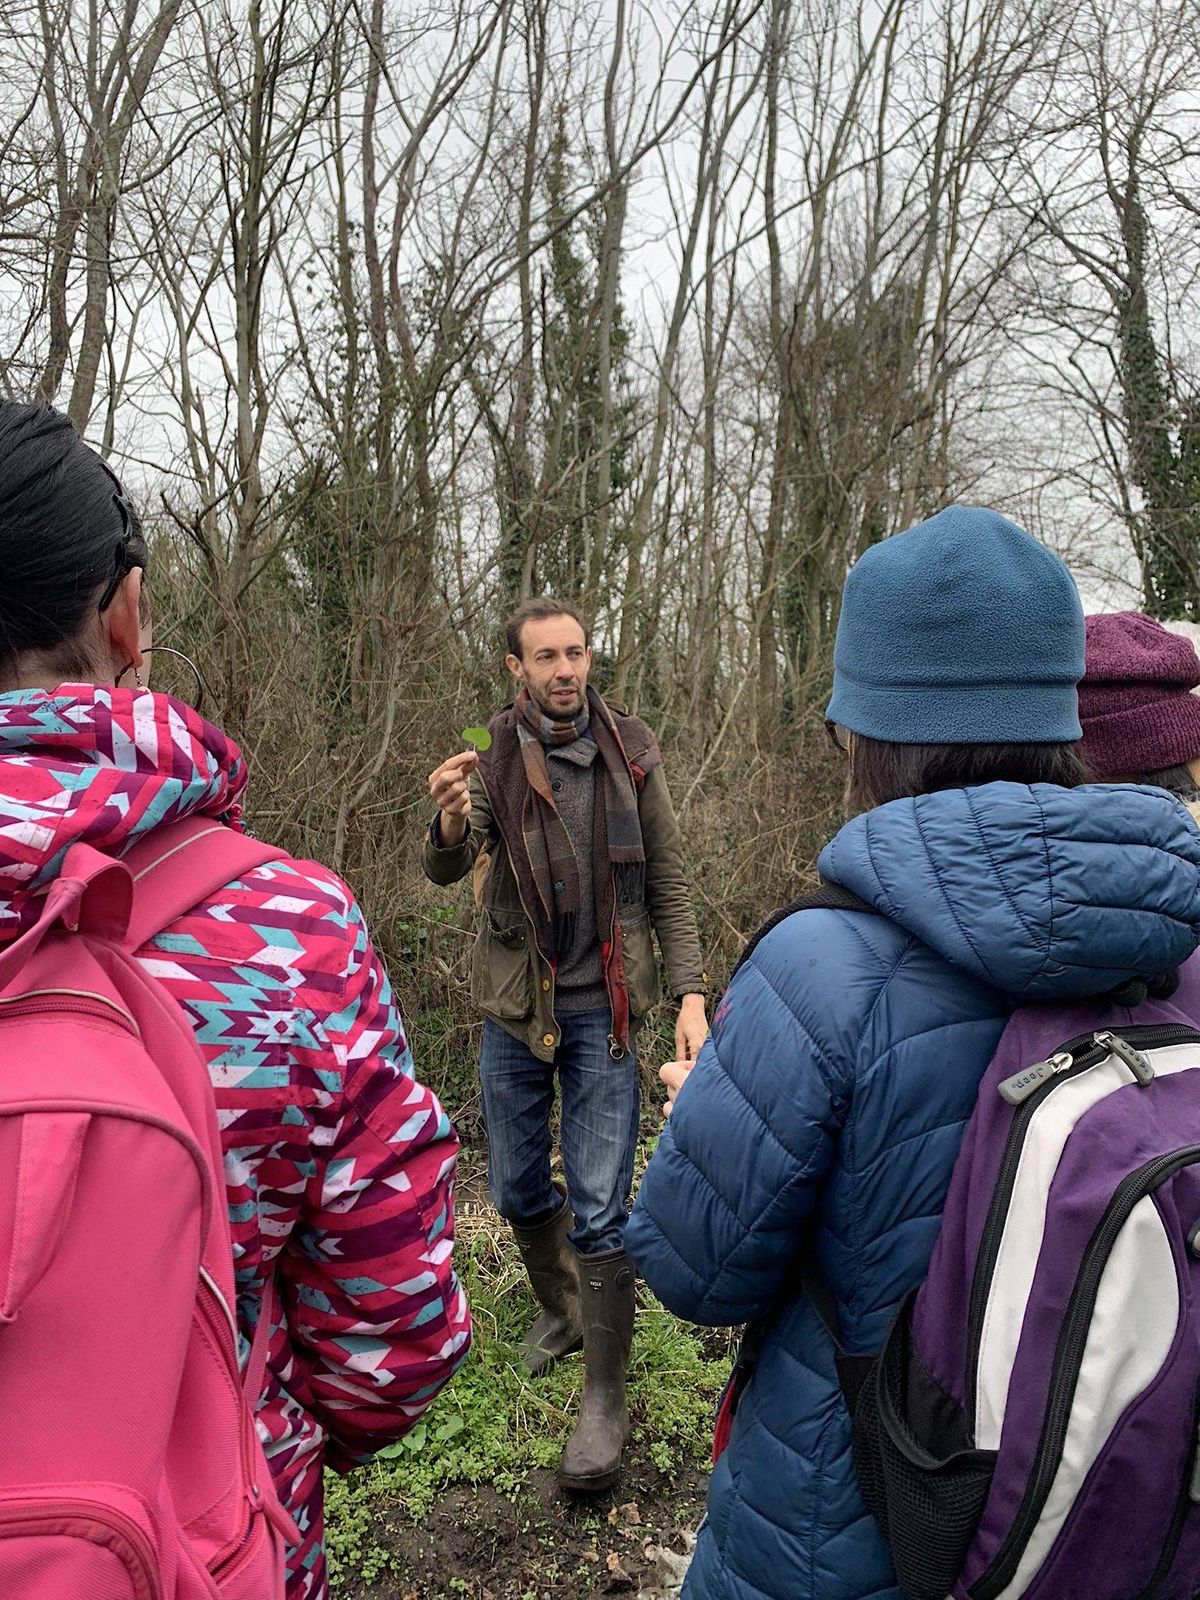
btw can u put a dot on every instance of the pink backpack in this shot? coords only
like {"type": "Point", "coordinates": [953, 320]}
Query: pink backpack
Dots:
{"type": "Point", "coordinates": [130, 1467]}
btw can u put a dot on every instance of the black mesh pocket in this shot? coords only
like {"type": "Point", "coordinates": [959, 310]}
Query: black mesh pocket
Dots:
{"type": "Point", "coordinates": [922, 1480]}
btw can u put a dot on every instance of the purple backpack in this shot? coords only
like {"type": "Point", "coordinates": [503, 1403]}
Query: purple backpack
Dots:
{"type": "Point", "coordinates": [1030, 1426]}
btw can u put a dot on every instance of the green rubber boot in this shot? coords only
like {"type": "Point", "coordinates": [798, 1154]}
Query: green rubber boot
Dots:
{"type": "Point", "coordinates": [550, 1262]}
{"type": "Point", "coordinates": [592, 1459]}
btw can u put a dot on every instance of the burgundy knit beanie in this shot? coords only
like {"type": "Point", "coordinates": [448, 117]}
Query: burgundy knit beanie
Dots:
{"type": "Point", "coordinates": [1134, 702]}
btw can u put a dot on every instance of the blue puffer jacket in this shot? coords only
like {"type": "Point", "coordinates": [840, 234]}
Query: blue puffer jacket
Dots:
{"type": "Point", "coordinates": [828, 1108]}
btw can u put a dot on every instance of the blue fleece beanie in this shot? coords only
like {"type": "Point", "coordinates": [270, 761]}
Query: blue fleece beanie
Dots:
{"type": "Point", "coordinates": [964, 630]}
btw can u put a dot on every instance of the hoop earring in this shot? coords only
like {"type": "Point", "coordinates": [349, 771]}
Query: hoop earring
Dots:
{"type": "Point", "coordinates": [169, 650]}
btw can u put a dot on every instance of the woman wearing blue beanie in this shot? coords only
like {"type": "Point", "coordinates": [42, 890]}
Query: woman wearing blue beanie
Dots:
{"type": "Point", "coordinates": [823, 1117]}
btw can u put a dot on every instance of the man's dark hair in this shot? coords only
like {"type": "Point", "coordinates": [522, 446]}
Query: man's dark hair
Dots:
{"type": "Point", "coordinates": [537, 609]}
{"type": "Point", "coordinates": [67, 536]}
{"type": "Point", "coordinates": [880, 771]}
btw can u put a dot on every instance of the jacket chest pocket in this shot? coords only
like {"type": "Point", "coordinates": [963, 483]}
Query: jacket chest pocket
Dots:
{"type": "Point", "coordinates": [502, 966]}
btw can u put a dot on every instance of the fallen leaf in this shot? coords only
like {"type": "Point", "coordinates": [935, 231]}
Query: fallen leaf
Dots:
{"type": "Point", "coordinates": [631, 1515]}
{"type": "Point", "coordinates": [620, 1579]}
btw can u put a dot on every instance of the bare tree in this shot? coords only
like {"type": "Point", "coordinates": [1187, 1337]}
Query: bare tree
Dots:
{"type": "Point", "coordinates": [94, 67]}
{"type": "Point", "coordinates": [1102, 184]}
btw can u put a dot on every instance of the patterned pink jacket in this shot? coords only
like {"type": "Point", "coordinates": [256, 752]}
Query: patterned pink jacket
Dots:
{"type": "Point", "coordinates": [339, 1163]}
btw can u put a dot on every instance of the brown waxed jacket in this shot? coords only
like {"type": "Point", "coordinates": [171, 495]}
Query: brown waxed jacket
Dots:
{"type": "Point", "coordinates": [512, 980]}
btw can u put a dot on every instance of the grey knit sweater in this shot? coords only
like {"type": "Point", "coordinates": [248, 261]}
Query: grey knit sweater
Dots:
{"type": "Point", "coordinates": [579, 985]}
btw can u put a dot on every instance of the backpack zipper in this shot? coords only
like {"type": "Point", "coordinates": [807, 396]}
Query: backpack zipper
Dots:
{"type": "Point", "coordinates": [221, 1569]}
{"type": "Point", "coordinates": [225, 1327]}
{"type": "Point", "coordinates": [65, 1002]}
{"type": "Point", "coordinates": [29, 1517]}
{"type": "Point", "coordinates": [210, 1283]}
{"type": "Point", "coordinates": [1089, 1052]}
{"type": "Point", "coordinates": [1027, 1090]}
{"type": "Point", "coordinates": [1068, 1357]}
{"type": "Point", "coordinates": [1183, 1504]}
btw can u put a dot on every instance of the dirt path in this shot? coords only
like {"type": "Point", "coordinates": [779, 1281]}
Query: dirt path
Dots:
{"type": "Point", "coordinates": [475, 1544]}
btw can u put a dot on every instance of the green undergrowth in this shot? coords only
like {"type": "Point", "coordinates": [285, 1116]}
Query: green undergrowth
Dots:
{"type": "Point", "coordinates": [494, 1424]}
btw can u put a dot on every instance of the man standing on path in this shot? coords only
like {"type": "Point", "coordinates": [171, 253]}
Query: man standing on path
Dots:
{"type": "Point", "coordinates": [583, 852]}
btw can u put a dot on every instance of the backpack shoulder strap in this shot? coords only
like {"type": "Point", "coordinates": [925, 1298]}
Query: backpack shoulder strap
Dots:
{"type": "Point", "coordinates": [255, 1372]}
{"type": "Point", "coordinates": [827, 897]}
{"type": "Point", "coordinates": [179, 866]}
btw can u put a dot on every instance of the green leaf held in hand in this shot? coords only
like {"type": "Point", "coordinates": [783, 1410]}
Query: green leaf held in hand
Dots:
{"type": "Point", "coordinates": [479, 737]}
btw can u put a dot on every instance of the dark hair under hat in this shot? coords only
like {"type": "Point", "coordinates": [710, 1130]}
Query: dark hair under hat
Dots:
{"type": "Point", "coordinates": [1135, 702]}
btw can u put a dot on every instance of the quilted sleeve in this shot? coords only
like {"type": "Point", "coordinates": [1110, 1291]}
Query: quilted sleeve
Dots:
{"type": "Point", "coordinates": [719, 1223]}
{"type": "Point", "coordinates": [376, 1313]}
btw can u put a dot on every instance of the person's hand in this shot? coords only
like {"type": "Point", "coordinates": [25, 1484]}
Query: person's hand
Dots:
{"type": "Point", "coordinates": [691, 1027]}
{"type": "Point", "coordinates": [674, 1075]}
{"type": "Point", "coordinates": [449, 786]}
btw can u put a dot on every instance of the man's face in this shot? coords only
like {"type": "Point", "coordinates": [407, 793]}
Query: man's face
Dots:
{"type": "Point", "coordinates": [554, 664]}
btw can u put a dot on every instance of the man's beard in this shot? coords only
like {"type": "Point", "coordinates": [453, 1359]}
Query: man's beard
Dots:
{"type": "Point", "coordinates": [560, 711]}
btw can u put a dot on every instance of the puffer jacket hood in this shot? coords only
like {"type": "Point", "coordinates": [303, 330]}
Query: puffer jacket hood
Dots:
{"type": "Point", "coordinates": [1043, 893]}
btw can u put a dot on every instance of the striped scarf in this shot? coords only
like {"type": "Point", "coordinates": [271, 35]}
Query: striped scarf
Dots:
{"type": "Point", "coordinates": [542, 853]}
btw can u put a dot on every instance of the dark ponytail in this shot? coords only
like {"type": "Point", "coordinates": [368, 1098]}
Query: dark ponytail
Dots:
{"type": "Point", "coordinates": [67, 537]}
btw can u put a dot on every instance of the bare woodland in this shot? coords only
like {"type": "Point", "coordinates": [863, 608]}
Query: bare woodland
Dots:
{"type": "Point", "coordinates": [391, 312]}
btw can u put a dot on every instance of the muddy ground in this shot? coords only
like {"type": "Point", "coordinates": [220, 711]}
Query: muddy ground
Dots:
{"type": "Point", "coordinates": [476, 1544]}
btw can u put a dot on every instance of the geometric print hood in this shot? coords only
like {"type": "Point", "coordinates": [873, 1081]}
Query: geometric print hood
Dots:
{"type": "Point", "coordinates": [104, 766]}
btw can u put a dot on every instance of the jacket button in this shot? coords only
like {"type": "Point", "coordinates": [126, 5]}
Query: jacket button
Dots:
{"type": "Point", "coordinates": [556, 785]}
{"type": "Point", "coordinates": [546, 985]}
{"type": "Point", "coordinates": [547, 1038]}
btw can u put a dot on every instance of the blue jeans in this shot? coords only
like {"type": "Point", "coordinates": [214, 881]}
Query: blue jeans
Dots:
{"type": "Point", "coordinates": [599, 1128]}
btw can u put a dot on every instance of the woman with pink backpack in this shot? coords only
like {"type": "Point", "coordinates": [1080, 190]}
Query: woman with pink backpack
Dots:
{"type": "Point", "coordinates": [339, 1301]}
